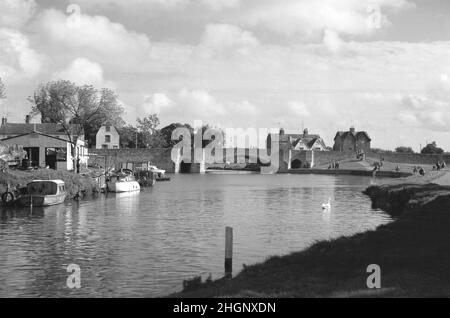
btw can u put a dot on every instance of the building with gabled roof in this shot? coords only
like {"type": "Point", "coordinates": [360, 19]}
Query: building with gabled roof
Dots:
{"type": "Point", "coordinates": [303, 141]}
{"type": "Point", "coordinates": [46, 145]}
{"type": "Point", "coordinates": [352, 140]}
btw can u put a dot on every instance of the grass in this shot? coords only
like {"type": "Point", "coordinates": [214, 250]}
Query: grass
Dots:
{"type": "Point", "coordinates": [74, 182]}
{"type": "Point", "coordinates": [413, 252]}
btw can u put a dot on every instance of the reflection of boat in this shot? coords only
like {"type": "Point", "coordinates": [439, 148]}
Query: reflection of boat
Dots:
{"type": "Point", "coordinates": [44, 193]}
{"type": "Point", "coordinates": [229, 171]}
{"type": "Point", "coordinates": [122, 182]}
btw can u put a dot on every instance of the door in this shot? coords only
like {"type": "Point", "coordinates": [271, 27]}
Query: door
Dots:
{"type": "Point", "coordinates": [33, 156]}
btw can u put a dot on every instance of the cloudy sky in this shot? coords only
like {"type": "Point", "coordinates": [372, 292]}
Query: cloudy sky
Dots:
{"type": "Point", "coordinates": [380, 65]}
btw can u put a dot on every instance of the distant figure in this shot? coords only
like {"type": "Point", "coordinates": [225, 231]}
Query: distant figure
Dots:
{"type": "Point", "coordinates": [78, 164]}
{"type": "Point", "coordinates": [415, 170]}
{"type": "Point", "coordinates": [438, 165]}
{"type": "Point", "coordinates": [443, 165]}
{"type": "Point", "coordinates": [397, 169]}
{"type": "Point", "coordinates": [421, 171]}
{"type": "Point", "coordinates": [337, 164]}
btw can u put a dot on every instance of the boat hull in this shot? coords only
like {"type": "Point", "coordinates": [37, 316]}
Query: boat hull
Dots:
{"type": "Point", "coordinates": [42, 200]}
{"type": "Point", "coordinates": [129, 186]}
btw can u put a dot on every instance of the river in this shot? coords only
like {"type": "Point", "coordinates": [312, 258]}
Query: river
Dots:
{"type": "Point", "coordinates": [146, 243]}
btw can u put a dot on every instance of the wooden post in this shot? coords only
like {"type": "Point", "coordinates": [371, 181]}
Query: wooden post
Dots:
{"type": "Point", "coordinates": [228, 251]}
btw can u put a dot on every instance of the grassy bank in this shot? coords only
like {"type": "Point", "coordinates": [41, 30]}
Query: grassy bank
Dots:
{"type": "Point", "coordinates": [74, 182]}
{"type": "Point", "coordinates": [413, 252]}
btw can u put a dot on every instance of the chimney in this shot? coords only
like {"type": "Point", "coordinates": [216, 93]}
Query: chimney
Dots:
{"type": "Point", "coordinates": [27, 119]}
{"type": "Point", "coordinates": [281, 131]}
{"type": "Point", "coordinates": [305, 132]}
{"type": "Point", "coordinates": [4, 121]}
{"type": "Point", "coordinates": [352, 130]}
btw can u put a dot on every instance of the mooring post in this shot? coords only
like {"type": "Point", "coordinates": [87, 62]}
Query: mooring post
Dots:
{"type": "Point", "coordinates": [228, 251]}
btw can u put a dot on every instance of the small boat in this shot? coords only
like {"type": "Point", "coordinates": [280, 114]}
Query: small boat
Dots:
{"type": "Point", "coordinates": [160, 173]}
{"type": "Point", "coordinates": [43, 193]}
{"type": "Point", "coordinates": [122, 182]}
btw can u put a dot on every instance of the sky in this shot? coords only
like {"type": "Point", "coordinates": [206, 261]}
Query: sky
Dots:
{"type": "Point", "coordinates": [382, 66]}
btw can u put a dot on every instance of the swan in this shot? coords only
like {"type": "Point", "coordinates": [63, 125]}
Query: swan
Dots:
{"type": "Point", "coordinates": [327, 206]}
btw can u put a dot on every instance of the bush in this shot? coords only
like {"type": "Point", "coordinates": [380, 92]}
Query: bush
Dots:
{"type": "Point", "coordinates": [75, 183]}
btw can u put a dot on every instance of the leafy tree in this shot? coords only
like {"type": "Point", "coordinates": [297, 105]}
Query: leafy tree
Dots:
{"type": "Point", "coordinates": [65, 103]}
{"type": "Point", "coordinates": [2, 89]}
{"type": "Point", "coordinates": [402, 149]}
{"type": "Point", "coordinates": [432, 148]}
{"type": "Point", "coordinates": [128, 136]}
{"type": "Point", "coordinates": [166, 134]}
{"type": "Point", "coordinates": [147, 127]}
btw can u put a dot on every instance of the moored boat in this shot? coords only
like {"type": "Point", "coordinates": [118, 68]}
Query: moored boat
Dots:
{"type": "Point", "coordinates": [122, 182]}
{"type": "Point", "coordinates": [160, 173]}
{"type": "Point", "coordinates": [43, 193]}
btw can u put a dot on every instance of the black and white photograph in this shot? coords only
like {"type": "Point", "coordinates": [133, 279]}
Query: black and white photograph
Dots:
{"type": "Point", "coordinates": [245, 151]}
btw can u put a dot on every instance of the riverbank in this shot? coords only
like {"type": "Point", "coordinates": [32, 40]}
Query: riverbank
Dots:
{"type": "Point", "coordinates": [75, 183]}
{"type": "Point", "coordinates": [379, 174]}
{"type": "Point", "coordinates": [413, 253]}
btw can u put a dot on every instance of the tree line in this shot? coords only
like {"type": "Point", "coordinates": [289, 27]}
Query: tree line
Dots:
{"type": "Point", "coordinates": [65, 103]}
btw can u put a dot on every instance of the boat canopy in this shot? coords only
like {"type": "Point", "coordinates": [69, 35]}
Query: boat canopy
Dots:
{"type": "Point", "coordinates": [44, 187]}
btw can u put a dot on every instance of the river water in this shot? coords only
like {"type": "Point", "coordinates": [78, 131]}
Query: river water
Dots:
{"type": "Point", "coordinates": [146, 243]}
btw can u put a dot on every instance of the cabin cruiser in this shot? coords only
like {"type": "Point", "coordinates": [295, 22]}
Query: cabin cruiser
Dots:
{"type": "Point", "coordinates": [122, 182]}
{"type": "Point", "coordinates": [43, 193]}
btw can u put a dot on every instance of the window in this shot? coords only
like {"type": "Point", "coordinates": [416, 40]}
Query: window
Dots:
{"type": "Point", "coordinates": [104, 146]}
{"type": "Point", "coordinates": [115, 147]}
{"type": "Point", "coordinates": [108, 128]}
{"type": "Point", "coordinates": [107, 138]}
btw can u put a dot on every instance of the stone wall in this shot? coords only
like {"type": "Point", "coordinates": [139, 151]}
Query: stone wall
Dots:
{"type": "Point", "coordinates": [157, 156]}
{"type": "Point", "coordinates": [410, 158]}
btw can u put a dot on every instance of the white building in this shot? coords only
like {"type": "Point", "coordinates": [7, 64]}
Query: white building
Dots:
{"type": "Point", "coordinates": [46, 144]}
{"type": "Point", "coordinates": [107, 138]}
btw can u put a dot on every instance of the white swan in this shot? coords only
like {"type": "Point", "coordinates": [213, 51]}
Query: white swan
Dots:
{"type": "Point", "coordinates": [327, 206]}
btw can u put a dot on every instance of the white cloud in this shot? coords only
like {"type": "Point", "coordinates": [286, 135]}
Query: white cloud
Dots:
{"type": "Point", "coordinates": [332, 41]}
{"type": "Point", "coordinates": [94, 33]}
{"type": "Point", "coordinates": [430, 110]}
{"type": "Point", "coordinates": [299, 109]}
{"type": "Point", "coordinates": [242, 108]}
{"type": "Point", "coordinates": [83, 72]}
{"type": "Point", "coordinates": [310, 18]}
{"type": "Point", "coordinates": [16, 13]}
{"type": "Point", "coordinates": [156, 103]}
{"type": "Point", "coordinates": [223, 38]}
{"type": "Point", "coordinates": [17, 58]}
{"type": "Point", "coordinates": [218, 5]}
{"type": "Point", "coordinates": [200, 103]}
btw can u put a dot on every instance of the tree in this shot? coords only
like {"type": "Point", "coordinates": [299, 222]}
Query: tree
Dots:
{"type": "Point", "coordinates": [147, 127]}
{"type": "Point", "coordinates": [403, 149]}
{"type": "Point", "coordinates": [129, 135]}
{"type": "Point", "coordinates": [432, 148]}
{"type": "Point", "coordinates": [65, 103]}
{"type": "Point", "coordinates": [166, 134]}
{"type": "Point", "coordinates": [110, 112]}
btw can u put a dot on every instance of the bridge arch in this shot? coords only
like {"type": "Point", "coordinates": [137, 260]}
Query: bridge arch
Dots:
{"type": "Point", "coordinates": [296, 164]}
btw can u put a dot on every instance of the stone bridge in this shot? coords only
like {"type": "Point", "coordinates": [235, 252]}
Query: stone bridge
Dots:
{"type": "Point", "coordinates": [288, 159]}
{"type": "Point", "coordinates": [162, 158]}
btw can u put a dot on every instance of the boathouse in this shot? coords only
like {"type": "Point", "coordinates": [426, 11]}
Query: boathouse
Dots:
{"type": "Point", "coordinates": [46, 145]}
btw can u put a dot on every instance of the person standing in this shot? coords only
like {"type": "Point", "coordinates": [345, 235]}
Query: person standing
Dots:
{"type": "Point", "coordinates": [78, 164]}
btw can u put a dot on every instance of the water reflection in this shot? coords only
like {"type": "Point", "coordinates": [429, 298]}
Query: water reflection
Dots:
{"type": "Point", "coordinates": [145, 243]}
